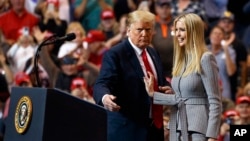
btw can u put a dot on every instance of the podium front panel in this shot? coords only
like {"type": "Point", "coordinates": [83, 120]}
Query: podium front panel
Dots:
{"type": "Point", "coordinates": [55, 115]}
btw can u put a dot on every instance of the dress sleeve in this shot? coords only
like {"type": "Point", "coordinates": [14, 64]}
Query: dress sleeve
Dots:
{"type": "Point", "coordinates": [210, 81]}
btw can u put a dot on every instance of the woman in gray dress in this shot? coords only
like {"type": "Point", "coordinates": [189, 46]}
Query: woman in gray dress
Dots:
{"type": "Point", "coordinates": [196, 104]}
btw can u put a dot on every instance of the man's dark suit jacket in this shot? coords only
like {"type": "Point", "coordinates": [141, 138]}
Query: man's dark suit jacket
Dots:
{"type": "Point", "coordinates": [122, 75]}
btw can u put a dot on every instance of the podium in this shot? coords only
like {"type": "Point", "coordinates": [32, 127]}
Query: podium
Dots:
{"type": "Point", "coordinates": [40, 114]}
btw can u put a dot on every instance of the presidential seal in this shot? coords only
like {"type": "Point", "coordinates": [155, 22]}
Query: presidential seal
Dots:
{"type": "Point", "coordinates": [23, 114]}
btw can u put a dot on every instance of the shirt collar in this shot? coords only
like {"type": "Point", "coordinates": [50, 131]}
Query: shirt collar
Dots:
{"type": "Point", "coordinates": [137, 49]}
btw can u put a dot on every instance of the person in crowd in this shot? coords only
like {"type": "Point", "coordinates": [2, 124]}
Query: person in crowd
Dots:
{"type": "Point", "coordinates": [50, 19]}
{"type": "Point", "coordinates": [88, 12]}
{"type": "Point", "coordinates": [17, 19]}
{"type": "Point", "coordinates": [225, 57]}
{"type": "Point", "coordinates": [73, 47]}
{"type": "Point", "coordinates": [5, 69]}
{"type": "Point", "coordinates": [79, 89]}
{"type": "Point", "coordinates": [6, 79]}
{"type": "Point", "coordinates": [239, 77]}
{"type": "Point", "coordinates": [21, 51]}
{"type": "Point", "coordinates": [229, 117]}
{"type": "Point", "coordinates": [246, 90]}
{"type": "Point", "coordinates": [240, 115]}
{"type": "Point", "coordinates": [51, 22]}
{"type": "Point", "coordinates": [95, 46]}
{"type": "Point", "coordinates": [197, 99]}
{"type": "Point", "coordinates": [243, 107]}
{"type": "Point", "coordinates": [123, 7]}
{"type": "Point", "coordinates": [246, 35]}
{"type": "Point", "coordinates": [214, 9]}
{"type": "Point", "coordinates": [119, 36]}
{"type": "Point", "coordinates": [108, 24]}
{"type": "Point", "coordinates": [241, 22]}
{"type": "Point", "coordinates": [4, 46]}
{"type": "Point", "coordinates": [120, 87]}
{"type": "Point", "coordinates": [189, 6]}
{"type": "Point", "coordinates": [162, 39]}
{"type": "Point", "coordinates": [166, 115]}
{"type": "Point", "coordinates": [22, 80]}
{"type": "Point", "coordinates": [144, 5]}
{"type": "Point", "coordinates": [227, 103]}
{"type": "Point", "coordinates": [65, 9]}
{"type": "Point", "coordinates": [68, 72]}
{"type": "Point", "coordinates": [43, 77]}
{"type": "Point", "coordinates": [4, 6]}
{"type": "Point", "coordinates": [4, 95]}
{"type": "Point", "coordinates": [91, 58]}
{"type": "Point", "coordinates": [4, 89]}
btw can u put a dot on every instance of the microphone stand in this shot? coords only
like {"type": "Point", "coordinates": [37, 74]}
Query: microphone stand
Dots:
{"type": "Point", "coordinates": [36, 68]}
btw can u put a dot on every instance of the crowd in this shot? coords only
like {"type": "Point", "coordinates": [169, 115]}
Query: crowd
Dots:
{"type": "Point", "coordinates": [99, 25]}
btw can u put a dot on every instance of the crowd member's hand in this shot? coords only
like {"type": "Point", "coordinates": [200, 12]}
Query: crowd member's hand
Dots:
{"type": "Point", "coordinates": [226, 44]}
{"type": "Point", "coordinates": [109, 104]}
{"type": "Point", "coordinates": [84, 57]}
{"type": "Point", "coordinates": [224, 129]}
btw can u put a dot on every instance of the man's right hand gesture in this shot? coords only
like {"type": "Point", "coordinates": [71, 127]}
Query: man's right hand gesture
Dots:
{"type": "Point", "coordinates": [109, 104]}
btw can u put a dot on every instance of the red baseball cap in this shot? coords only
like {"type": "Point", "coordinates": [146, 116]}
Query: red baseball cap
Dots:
{"type": "Point", "coordinates": [21, 77]}
{"type": "Point", "coordinates": [107, 14]}
{"type": "Point", "coordinates": [243, 99]}
{"type": "Point", "coordinates": [95, 35]}
{"type": "Point", "coordinates": [230, 113]}
{"type": "Point", "coordinates": [78, 82]}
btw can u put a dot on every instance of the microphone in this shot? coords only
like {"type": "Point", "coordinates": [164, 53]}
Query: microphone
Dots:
{"type": "Point", "coordinates": [50, 40]}
{"type": "Point", "coordinates": [67, 37]}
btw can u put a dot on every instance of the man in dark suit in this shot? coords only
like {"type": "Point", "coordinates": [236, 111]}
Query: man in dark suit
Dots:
{"type": "Point", "coordinates": [120, 87]}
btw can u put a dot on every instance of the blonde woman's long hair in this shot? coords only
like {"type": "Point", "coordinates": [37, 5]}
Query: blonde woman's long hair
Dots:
{"type": "Point", "coordinates": [190, 55]}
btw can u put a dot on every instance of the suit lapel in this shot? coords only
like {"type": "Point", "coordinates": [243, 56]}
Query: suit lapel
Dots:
{"type": "Point", "coordinates": [132, 58]}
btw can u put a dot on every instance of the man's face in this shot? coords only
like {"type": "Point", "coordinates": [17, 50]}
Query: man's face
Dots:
{"type": "Point", "coordinates": [69, 66]}
{"type": "Point", "coordinates": [93, 47]}
{"type": "Point", "coordinates": [140, 33]}
{"type": "Point", "coordinates": [227, 25]}
{"type": "Point", "coordinates": [163, 11]}
{"type": "Point", "coordinates": [69, 69]}
{"type": "Point", "coordinates": [18, 5]}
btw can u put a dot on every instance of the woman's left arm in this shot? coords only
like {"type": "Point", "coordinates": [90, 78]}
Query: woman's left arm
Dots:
{"type": "Point", "coordinates": [210, 81]}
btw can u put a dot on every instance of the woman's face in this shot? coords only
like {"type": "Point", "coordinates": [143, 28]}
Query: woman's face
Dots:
{"type": "Point", "coordinates": [181, 33]}
{"type": "Point", "coordinates": [216, 36]}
